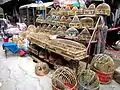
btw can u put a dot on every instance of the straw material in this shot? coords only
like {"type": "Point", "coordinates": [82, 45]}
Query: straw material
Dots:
{"type": "Point", "coordinates": [103, 63]}
{"type": "Point", "coordinates": [41, 69]}
{"type": "Point", "coordinates": [103, 9]}
{"type": "Point", "coordinates": [64, 79]}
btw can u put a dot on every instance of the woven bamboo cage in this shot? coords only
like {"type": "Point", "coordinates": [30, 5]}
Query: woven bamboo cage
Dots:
{"type": "Point", "coordinates": [104, 65]}
{"type": "Point", "coordinates": [67, 8]}
{"type": "Point", "coordinates": [71, 32]}
{"type": "Point", "coordinates": [64, 12]}
{"type": "Point", "coordinates": [80, 11]}
{"type": "Point", "coordinates": [40, 19]}
{"type": "Point", "coordinates": [41, 69]}
{"type": "Point", "coordinates": [62, 21]}
{"type": "Point", "coordinates": [40, 38]}
{"type": "Point", "coordinates": [52, 12]}
{"type": "Point", "coordinates": [75, 22]}
{"type": "Point", "coordinates": [87, 22]}
{"type": "Point", "coordinates": [43, 28]}
{"type": "Point", "coordinates": [90, 10]}
{"type": "Point", "coordinates": [103, 9]}
{"type": "Point", "coordinates": [48, 19]}
{"type": "Point", "coordinates": [71, 49]}
{"type": "Point", "coordinates": [64, 79]}
{"type": "Point", "coordinates": [88, 80]}
{"type": "Point", "coordinates": [60, 31]}
{"type": "Point", "coordinates": [38, 28]}
{"type": "Point", "coordinates": [53, 20]}
{"type": "Point", "coordinates": [56, 20]}
{"type": "Point", "coordinates": [84, 35]}
{"type": "Point", "coordinates": [68, 20]}
{"type": "Point", "coordinates": [48, 28]}
{"type": "Point", "coordinates": [53, 30]}
{"type": "Point", "coordinates": [31, 28]}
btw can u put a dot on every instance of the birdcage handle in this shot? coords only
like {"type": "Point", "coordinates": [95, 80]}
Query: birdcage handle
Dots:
{"type": "Point", "coordinates": [96, 26]}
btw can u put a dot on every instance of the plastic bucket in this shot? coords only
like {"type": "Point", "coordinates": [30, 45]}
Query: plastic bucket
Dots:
{"type": "Point", "coordinates": [75, 87]}
{"type": "Point", "coordinates": [81, 87]}
{"type": "Point", "coordinates": [104, 78]}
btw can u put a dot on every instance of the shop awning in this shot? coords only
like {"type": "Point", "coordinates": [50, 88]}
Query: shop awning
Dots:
{"type": "Point", "coordinates": [4, 1]}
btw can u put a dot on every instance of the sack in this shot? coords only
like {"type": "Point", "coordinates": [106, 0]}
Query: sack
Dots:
{"type": "Point", "coordinates": [22, 53]}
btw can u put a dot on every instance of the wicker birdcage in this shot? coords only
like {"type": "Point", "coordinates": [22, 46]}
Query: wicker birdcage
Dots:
{"type": "Point", "coordinates": [103, 65]}
{"type": "Point", "coordinates": [75, 22]}
{"type": "Point", "coordinates": [56, 20]}
{"type": "Point", "coordinates": [80, 11]}
{"type": "Point", "coordinates": [38, 29]}
{"type": "Point", "coordinates": [90, 10]}
{"type": "Point", "coordinates": [53, 30]}
{"type": "Point", "coordinates": [31, 28]}
{"type": "Point", "coordinates": [53, 20]}
{"type": "Point", "coordinates": [60, 31]}
{"type": "Point", "coordinates": [68, 48]}
{"type": "Point", "coordinates": [48, 28]}
{"type": "Point", "coordinates": [73, 11]}
{"type": "Point", "coordinates": [62, 21]}
{"type": "Point", "coordinates": [52, 12]}
{"type": "Point", "coordinates": [48, 19]}
{"type": "Point", "coordinates": [103, 9]}
{"type": "Point", "coordinates": [88, 80]}
{"type": "Point", "coordinates": [84, 35]}
{"type": "Point", "coordinates": [64, 79]}
{"type": "Point", "coordinates": [87, 22]}
{"type": "Point", "coordinates": [69, 20]}
{"type": "Point", "coordinates": [64, 27]}
{"type": "Point", "coordinates": [71, 32]}
{"type": "Point", "coordinates": [64, 12]}
{"type": "Point", "coordinates": [40, 38]}
{"type": "Point", "coordinates": [41, 69]}
{"type": "Point", "coordinates": [43, 28]}
{"type": "Point", "coordinates": [40, 19]}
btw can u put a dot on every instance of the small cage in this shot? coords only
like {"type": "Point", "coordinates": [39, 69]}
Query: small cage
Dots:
{"type": "Point", "coordinates": [62, 21]}
{"type": "Point", "coordinates": [90, 10]}
{"type": "Point", "coordinates": [75, 22]}
{"type": "Point", "coordinates": [53, 30]}
{"type": "Point", "coordinates": [80, 11]}
{"type": "Point", "coordinates": [103, 9]}
{"type": "Point", "coordinates": [64, 79]}
{"type": "Point", "coordinates": [40, 19]}
{"type": "Point", "coordinates": [48, 28]}
{"type": "Point", "coordinates": [87, 22]}
{"type": "Point", "coordinates": [48, 19]}
{"type": "Point", "coordinates": [31, 28]}
{"type": "Point", "coordinates": [52, 11]}
{"type": "Point", "coordinates": [71, 32]}
{"type": "Point", "coordinates": [84, 35]}
{"type": "Point", "coordinates": [88, 80]}
{"type": "Point", "coordinates": [60, 31]}
{"type": "Point", "coordinates": [104, 66]}
{"type": "Point", "coordinates": [41, 69]}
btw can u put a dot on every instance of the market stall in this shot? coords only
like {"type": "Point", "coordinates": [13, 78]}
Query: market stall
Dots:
{"type": "Point", "coordinates": [66, 38]}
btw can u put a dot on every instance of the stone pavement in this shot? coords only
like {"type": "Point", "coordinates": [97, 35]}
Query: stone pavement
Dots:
{"type": "Point", "coordinates": [17, 73]}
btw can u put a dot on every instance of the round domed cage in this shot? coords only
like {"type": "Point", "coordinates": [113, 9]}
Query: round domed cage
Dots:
{"type": "Point", "coordinates": [64, 79]}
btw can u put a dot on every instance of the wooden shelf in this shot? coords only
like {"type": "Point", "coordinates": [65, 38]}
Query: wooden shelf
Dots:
{"type": "Point", "coordinates": [85, 15]}
{"type": "Point", "coordinates": [39, 59]}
